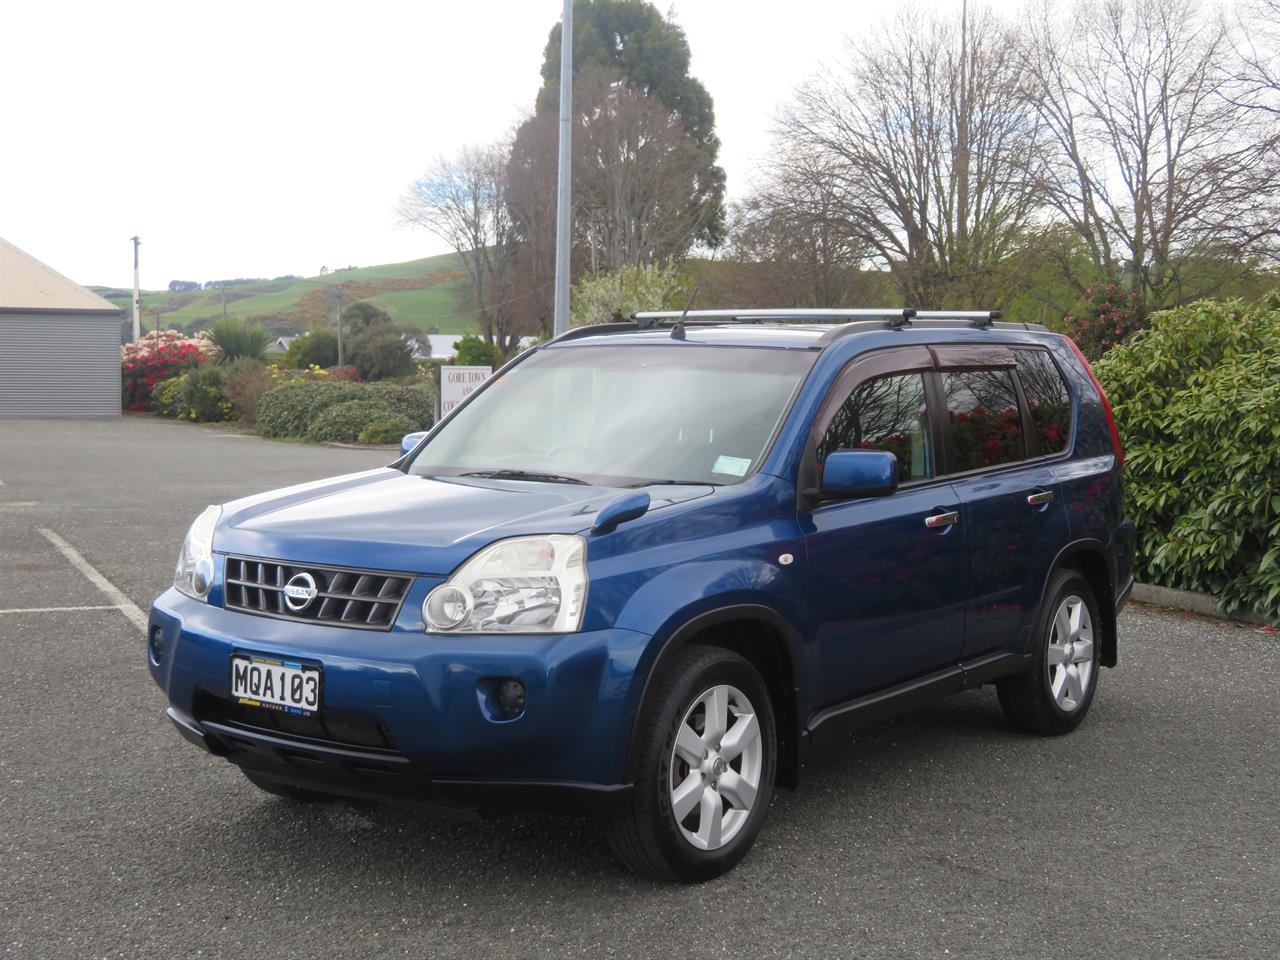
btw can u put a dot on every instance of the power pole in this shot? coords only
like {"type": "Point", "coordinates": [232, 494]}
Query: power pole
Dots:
{"type": "Point", "coordinates": [137, 296]}
{"type": "Point", "coordinates": [564, 166]}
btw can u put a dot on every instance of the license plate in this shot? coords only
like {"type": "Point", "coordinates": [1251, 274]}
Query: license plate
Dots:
{"type": "Point", "coordinates": [275, 684]}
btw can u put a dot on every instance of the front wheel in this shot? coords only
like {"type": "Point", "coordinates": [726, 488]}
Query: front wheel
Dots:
{"type": "Point", "coordinates": [706, 751]}
{"type": "Point", "coordinates": [1055, 692]}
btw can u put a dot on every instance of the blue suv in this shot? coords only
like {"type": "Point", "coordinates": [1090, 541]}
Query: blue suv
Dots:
{"type": "Point", "coordinates": [649, 564]}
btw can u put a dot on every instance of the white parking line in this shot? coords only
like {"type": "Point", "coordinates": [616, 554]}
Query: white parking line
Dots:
{"type": "Point", "coordinates": [101, 606]}
{"type": "Point", "coordinates": [119, 600]}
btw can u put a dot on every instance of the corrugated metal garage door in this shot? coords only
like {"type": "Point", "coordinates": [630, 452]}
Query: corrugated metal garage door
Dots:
{"type": "Point", "coordinates": [59, 366]}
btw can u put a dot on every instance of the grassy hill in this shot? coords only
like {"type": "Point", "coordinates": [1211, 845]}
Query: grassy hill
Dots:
{"type": "Point", "coordinates": [419, 293]}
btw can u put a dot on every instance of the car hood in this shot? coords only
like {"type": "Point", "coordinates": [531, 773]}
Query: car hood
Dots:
{"type": "Point", "coordinates": [388, 520]}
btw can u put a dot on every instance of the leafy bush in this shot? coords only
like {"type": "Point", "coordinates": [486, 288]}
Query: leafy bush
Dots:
{"type": "Point", "coordinates": [201, 397]}
{"type": "Point", "coordinates": [386, 431]}
{"type": "Point", "coordinates": [319, 348]}
{"type": "Point", "coordinates": [346, 373]}
{"type": "Point", "coordinates": [247, 382]}
{"type": "Point", "coordinates": [1197, 400]}
{"type": "Point", "coordinates": [195, 395]}
{"type": "Point", "coordinates": [605, 297]}
{"type": "Point", "coordinates": [471, 351]}
{"type": "Point", "coordinates": [289, 409]}
{"type": "Point", "coordinates": [1106, 316]}
{"type": "Point", "coordinates": [164, 398]}
{"type": "Point", "coordinates": [234, 339]}
{"type": "Point", "coordinates": [343, 422]}
{"type": "Point", "coordinates": [153, 358]}
{"type": "Point", "coordinates": [413, 404]}
{"type": "Point", "coordinates": [364, 314]}
{"type": "Point", "coordinates": [379, 352]}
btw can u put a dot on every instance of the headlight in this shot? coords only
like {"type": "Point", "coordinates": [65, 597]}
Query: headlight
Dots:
{"type": "Point", "coordinates": [522, 585]}
{"type": "Point", "coordinates": [194, 573]}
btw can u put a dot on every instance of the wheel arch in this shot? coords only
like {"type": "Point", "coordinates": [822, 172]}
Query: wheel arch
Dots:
{"type": "Point", "coordinates": [1089, 559]}
{"type": "Point", "coordinates": [765, 639]}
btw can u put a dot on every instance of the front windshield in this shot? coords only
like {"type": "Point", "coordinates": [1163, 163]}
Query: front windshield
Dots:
{"type": "Point", "coordinates": [622, 415]}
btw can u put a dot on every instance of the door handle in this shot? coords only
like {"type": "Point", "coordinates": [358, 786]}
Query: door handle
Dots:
{"type": "Point", "coordinates": [941, 520]}
{"type": "Point", "coordinates": [1040, 497]}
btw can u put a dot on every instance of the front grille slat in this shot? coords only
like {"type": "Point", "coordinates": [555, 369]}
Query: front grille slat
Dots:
{"type": "Point", "coordinates": [365, 599]}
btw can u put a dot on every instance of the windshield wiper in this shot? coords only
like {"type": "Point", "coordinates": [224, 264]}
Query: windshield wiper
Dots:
{"type": "Point", "coordinates": [524, 475]}
{"type": "Point", "coordinates": [676, 483]}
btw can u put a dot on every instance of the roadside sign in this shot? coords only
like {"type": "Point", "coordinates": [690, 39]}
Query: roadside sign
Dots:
{"type": "Point", "coordinates": [456, 383]}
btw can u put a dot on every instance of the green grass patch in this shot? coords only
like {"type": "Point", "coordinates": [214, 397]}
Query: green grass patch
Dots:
{"type": "Point", "coordinates": [435, 305]}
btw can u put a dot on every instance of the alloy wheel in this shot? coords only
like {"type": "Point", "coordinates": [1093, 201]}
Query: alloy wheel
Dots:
{"type": "Point", "coordinates": [1071, 653]}
{"type": "Point", "coordinates": [716, 765]}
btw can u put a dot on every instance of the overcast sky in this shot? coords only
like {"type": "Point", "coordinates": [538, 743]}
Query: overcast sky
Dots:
{"type": "Point", "coordinates": [264, 138]}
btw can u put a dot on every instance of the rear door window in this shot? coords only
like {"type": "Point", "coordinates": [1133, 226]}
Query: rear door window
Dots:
{"type": "Point", "coordinates": [1048, 399]}
{"type": "Point", "coordinates": [986, 422]}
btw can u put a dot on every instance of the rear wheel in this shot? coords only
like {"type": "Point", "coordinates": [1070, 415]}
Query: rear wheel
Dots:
{"type": "Point", "coordinates": [1056, 691]}
{"type": "Point", "coordinates": [288, 791]}
{"type": "Point", "coordinates": [706, 750]}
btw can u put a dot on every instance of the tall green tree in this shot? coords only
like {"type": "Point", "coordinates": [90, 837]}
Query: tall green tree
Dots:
{"type": "Point", "coordinates": [646, 185]}
{"type": "Point", "coordinates": [632, 39]}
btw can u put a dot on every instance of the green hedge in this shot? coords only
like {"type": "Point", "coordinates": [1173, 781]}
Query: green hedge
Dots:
{"type": "Point", "coordinates": [295, 409]}
{"type": "Point", "coordinates": [343, 422]}
{"type": "Point", "coordinates": [386, 431]}
{"type": "Point", "coordinates": [415, 404]}
{"type": "Point", "coordinates": [290, 409]}
{"type": "Point", "coordinates": [1197, 400]}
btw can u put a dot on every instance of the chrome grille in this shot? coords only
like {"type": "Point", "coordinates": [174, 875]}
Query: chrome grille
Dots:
{"type": "Point", "coordinates": [365, 599]}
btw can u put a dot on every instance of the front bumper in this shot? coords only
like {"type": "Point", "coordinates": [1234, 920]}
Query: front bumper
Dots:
{"type": "Point", "coordinates": [427, 693]}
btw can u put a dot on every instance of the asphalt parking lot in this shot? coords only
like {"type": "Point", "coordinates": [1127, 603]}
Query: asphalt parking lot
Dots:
{"type": "Point", "coordinates": [1153, 831]}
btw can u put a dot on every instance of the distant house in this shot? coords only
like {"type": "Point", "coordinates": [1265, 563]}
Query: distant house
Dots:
{"type": "Point", "coordinates": [439, 346]}
{"type": "Point", "coordinates": [59, 343]}
{"type": "Point", "coordinates": [279, 345]}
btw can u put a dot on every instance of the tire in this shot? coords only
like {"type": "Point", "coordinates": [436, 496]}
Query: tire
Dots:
{"type": "Point", "coordinates": [725, 796]}
{"type": "Point", "coordinates": [289, 792]}
{"type": "Point", "coordinates": [1057, 689]}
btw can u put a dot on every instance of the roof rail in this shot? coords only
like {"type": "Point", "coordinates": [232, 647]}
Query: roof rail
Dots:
{"type": "Point", "coordinates": [652, 318]}
{"type": "Point", "coordinates": [980, 318]}
{"type": "Point", "coordinates": [854, 319]}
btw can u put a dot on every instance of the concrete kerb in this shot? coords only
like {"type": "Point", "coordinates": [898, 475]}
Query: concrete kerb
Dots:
{"type": "Point", "coordinates": [1192, 602]}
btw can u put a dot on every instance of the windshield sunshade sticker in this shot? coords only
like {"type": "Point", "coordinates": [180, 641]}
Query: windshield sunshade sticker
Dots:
{"type": "Point", "coordinates": [731, 466]}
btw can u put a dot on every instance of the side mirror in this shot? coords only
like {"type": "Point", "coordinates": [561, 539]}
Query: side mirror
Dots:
{"type": "Point", "coordinates": [847, 474]}
{"type": "Point", "coordinates": [411, 440]}
{"type": "Point", "coordinates": [628, 506]}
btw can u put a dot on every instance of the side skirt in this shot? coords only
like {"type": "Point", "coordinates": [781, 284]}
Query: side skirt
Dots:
{"type": "Point", "coordinates": [844, 718]}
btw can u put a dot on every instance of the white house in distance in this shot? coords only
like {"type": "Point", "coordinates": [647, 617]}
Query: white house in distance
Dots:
{"type": "Point", "coordinates": [442, 345]}
{"type": "Point", "coordinates": [59, 343]}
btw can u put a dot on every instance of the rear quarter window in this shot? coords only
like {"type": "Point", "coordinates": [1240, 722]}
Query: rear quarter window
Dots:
{"type": "Point", "coordinates": [1048, 400]}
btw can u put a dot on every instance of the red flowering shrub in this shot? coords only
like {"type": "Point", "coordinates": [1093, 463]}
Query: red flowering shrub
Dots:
{"type": "Point", "coordinates": [984, 438]}
{"type": "Point", "coordinates": [346, 373]}
{"type": "Point", "coordinates": [155, 357]}
{"type": "Point", "coordinates": [1110, 315]}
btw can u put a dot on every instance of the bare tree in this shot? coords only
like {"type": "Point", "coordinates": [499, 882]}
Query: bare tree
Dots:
{"type": "Point", "coordinates": [792, 230]}
{"type": "Point", "coordinates": [463, 201]}
{"type": "Point", "coordinates": [928, 145]}
{"type": "Point", "coordinates": [1258, 49]}
{"type": "Point", "coordinates": [1159, 164]}
{"type": "Point", "coordinates": [645, 189]}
